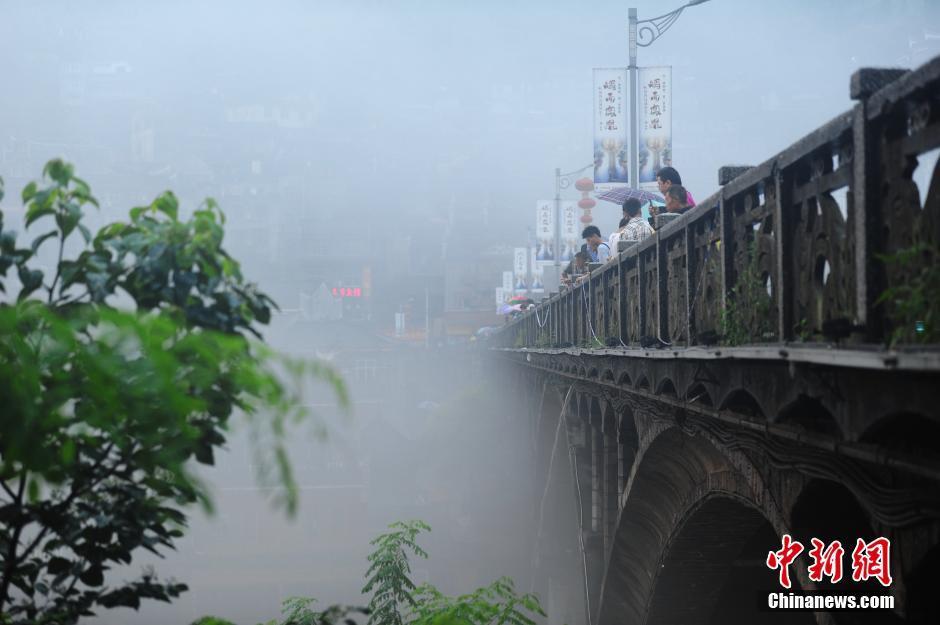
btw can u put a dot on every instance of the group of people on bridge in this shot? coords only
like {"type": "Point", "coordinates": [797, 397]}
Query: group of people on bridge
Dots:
{"type": "Point", "coordinates": [632, 229]}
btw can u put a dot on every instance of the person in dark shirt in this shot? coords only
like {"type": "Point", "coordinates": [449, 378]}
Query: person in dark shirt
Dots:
{"type": "Point", "coordinates": [677, 199]}
{"type": "Point", "coordinates": [576, 268]}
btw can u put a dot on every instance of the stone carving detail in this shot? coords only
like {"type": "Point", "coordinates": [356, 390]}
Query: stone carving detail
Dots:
{"type": "Point", "coordinates": [676, 285]}
{"type": "Point", "coordinates": [651, 293]}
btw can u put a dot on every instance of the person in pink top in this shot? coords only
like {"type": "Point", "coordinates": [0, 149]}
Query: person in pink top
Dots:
{"type": "Point", "coordinates": [668, 176]}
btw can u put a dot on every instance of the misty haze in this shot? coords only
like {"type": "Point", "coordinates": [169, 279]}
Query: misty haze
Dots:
{"type": "Point", "coordinates": [378, 165]}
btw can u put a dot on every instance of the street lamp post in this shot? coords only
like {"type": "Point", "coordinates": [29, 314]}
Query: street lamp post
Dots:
{"type": "Point", "coordinates": [557, 250]}
{"type": "Point", "coordinates": [643, 33]}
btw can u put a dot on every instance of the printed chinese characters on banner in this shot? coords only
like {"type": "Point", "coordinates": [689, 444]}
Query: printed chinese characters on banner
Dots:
{"type": "Point", "coordinates": [507, 281]}
{"type": "Point", "coordinates": [537, 268]}
{"type": "Point", "coordinates": [520, 267]}
{"type": "Point", "coordinates": [655, 131]}
{"type": "Point", "coordinates": [611, 145]}
{"type": "Point", "coordinates": [570, 234]}
{"type": "Point", "coordinates": [545, 230]}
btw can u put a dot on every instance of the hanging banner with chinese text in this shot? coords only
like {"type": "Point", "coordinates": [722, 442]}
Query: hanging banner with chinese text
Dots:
{"type": "Point", "coordinates": [611, 122]}
{"type": "Point", "coordinates": [537, 268]}
{"type": "Point", "coordinates": [655, 133]}
{"type": "Point", "coordinates": [570, 230]}
{"type": "Point", "coordinates": [507, 281]}
{"type": "Point", "coordinates": [520, 267]}
{"type": "Point", "coordinates": [545, 230]}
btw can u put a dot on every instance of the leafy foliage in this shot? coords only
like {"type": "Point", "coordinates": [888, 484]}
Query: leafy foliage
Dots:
{"type": "Point", "coordinates": [298, 611]}
{"type": "Point", "coordinates": [496, 604]}
{"type": "Point", "coordinates": [396, 599]}
{"type": "Point", "coordinates": [746, 316]}
{"type": "Point", "coordinates": [212, 620]}
{"type": "Point", "coordinates": [388, 577]}
{"type": "Point", "coordinates": [913, 304]}
{"type": "Point", "coordinates": [106, 409]}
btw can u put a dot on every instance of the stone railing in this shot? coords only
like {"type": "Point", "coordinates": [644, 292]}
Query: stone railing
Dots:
{"type": "Point", "coordinates": [791, 249]}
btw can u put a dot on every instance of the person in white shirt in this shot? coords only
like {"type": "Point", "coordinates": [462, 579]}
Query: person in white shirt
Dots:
{"type": "Point", "coordinates": [597, 249]}
{"type": "Point", "coordinates": [615, 236]}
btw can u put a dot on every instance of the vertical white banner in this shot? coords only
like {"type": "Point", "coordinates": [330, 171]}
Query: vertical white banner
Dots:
{"type": "Point", "coordinates": [655, 134]}
{"type": "Point", "coordinates": [500, 296]}
{"type": "Point", "coordinates": [545, 230]}
{"type": "Point", "coordinates": [611, 126]}
{"type": "Point", "coordinates": [570, 231]}
{"type": "Point", "coordinates": [520, 267]}
{"type": "Point", "coordinates": [507, 281]}
{"type": "Point", "coordinates": [536, 267]}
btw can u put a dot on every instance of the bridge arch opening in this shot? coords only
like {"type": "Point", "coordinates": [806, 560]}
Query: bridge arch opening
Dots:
{"type": "Point", "coordinates": [667, 388]}
{"type": "Point", "coordinates": [715, 573]}
{"type": "Point", "coordinates": [809, 414]}
{"type": "Point", "coordinates": [628, 440]}
{"type": "Point", "coordinates": [676, 475]}
{"type": "Point", "coordinates": [922, 605]}
{"type": "Point", "coordinates": [698, 394]}
{"type": "Point", "coordinates": [905, 432]}
{"type": "Point", "coordinates": [742, 402]}
{"type": "Point", "coordinates": [624, 379]}
{"type": "Point", "coordinates": [827, 510]}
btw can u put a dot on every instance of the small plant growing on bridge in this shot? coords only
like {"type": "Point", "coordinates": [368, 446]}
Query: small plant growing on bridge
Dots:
{"type": "Point", "coordinates": [913, 304]}
{"type": "Point", "coordinates": [545, 340]}
{"type": "Point", "coordinates": [746, 315]}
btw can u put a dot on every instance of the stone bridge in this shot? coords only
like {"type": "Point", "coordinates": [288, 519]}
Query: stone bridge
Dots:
{"type": "Point", "coordinates": [765, 365]}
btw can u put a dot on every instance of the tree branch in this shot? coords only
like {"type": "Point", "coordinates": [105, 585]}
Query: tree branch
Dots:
{"type": "Point", "coordinates": [12, 561]}
{"type": "Point", "coordinates": [6, 488]}
{"type": "Point", "coordinates": [58, 267]}
{"type": "Point", "coordinates": [73, 494]}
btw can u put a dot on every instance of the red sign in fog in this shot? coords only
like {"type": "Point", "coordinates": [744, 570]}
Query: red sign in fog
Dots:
{"type": "Point", "coordinates": [347, 291]}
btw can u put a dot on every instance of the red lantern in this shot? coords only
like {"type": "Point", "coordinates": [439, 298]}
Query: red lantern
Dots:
{"type": "Point", "coordinates": [586, 203]}
{"type": "Point", "coordinates": [586, 219]}
{"type": "Point", "coordinates": [584, 184]}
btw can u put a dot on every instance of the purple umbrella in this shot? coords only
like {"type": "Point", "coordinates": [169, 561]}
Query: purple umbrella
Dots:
{"type": "Point", "coordinates": [619, 195]}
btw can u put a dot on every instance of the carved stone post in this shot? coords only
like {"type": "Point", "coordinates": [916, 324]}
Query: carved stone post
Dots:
{"type": "Point", "coordinates": [783, 239]}
{"type": "Point", "coordinates": [866, 177]}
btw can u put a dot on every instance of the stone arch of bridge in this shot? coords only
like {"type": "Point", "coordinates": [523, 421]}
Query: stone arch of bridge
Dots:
{"type": "Point", "coordinates": [827, 510]}
{"type": "Point", "coordinates": [697, 393]}
{"type": "Point", "coordinates": [810, 414]}
{"type": "Point", "coordinates": [741, 401]}
{"type": "Point", "coordinates": [676, 475]}
{"type": "Point", "coordinates": [624, 379]}
{"type": "Point", "coordinates": [667, 388]}
{"type": "Point", "coordinates": [713, 572]}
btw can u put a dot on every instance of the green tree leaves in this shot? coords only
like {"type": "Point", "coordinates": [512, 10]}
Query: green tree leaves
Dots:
{"type": "Point", "coordinates": [105, 409]}
{"type": "Point", "coordinates": [388, 577]}
{"type": "Point", "coordinates": [396, 599]}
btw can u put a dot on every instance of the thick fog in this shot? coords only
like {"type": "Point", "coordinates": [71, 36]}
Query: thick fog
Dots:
{"type": "Point", "coordinates": [398, 148]}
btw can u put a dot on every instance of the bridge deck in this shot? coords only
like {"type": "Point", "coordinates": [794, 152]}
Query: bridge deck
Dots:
{"type": "Point", "coordinates": [925, 359]}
